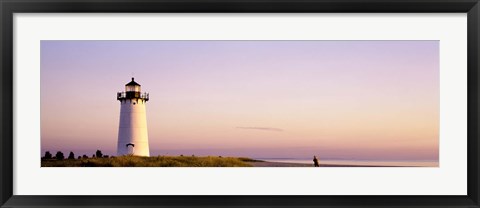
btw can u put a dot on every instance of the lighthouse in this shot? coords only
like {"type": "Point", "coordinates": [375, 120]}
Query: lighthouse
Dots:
{"type": "Point", "coordinates": [132, 130]}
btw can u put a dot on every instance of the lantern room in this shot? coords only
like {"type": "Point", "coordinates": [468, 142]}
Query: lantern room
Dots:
{"type": "Point", "coordinates": [132, 86]}
{"type": "Point", "coordinates": [132, 91]}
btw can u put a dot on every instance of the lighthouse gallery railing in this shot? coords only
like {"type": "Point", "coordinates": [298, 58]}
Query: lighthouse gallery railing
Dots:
{"type": "Point", "coordinates": [132, 95]}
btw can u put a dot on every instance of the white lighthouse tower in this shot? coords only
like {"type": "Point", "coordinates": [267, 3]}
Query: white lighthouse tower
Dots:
{"type": "Point", "coordinates": [132, 131]}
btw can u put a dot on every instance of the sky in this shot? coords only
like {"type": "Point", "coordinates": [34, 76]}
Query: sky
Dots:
{"type": "Point", "coordinates": [358, 100]}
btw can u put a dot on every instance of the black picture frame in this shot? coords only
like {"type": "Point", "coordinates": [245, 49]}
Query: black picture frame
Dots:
{"type": "Point", "coordinates": [9, 7]}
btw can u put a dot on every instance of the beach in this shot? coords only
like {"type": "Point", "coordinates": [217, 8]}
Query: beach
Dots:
{"type": "Point", "coordinates": [293, 164]}
{"type": "Point", "coordinates": [278, 164]}
{"type": "Point", "coordinates": [284, 164]}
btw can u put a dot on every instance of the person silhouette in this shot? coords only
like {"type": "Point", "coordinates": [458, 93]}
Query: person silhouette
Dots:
{"type": "Point", "coordinates": [315, 161]}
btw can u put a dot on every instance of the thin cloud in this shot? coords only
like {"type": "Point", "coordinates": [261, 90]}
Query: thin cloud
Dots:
{"type": "Point", "coordinates": [259, 128]}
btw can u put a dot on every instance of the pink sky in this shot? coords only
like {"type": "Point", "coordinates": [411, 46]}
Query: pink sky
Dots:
{"type": "Point", "coordinates": [283, 99]}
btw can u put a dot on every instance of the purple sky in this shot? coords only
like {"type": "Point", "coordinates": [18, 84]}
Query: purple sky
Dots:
{"type": "Point", "coordinates": [289, 99]}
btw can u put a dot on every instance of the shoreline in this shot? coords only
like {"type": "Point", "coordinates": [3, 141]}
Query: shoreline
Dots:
{"type": "Point", "coordinates": [195, 161]}
{"type": "Point", "coordinates": [289, 164]}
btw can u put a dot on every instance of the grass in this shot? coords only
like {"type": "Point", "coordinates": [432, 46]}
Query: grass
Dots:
{"type": "Point", "coordinates": [159, 161]}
